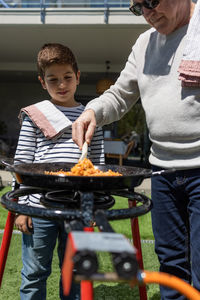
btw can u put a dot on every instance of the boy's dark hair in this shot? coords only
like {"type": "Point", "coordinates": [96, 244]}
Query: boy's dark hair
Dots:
{"type": "Point", "coordinates": [55, 53]}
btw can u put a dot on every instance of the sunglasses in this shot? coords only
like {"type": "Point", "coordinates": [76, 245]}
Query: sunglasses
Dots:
{"type": "Point", "coordinates": [137, 8]}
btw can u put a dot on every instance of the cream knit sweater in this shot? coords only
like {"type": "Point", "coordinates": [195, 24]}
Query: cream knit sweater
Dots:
{"type": "Point", "coordinates": [172, 112]}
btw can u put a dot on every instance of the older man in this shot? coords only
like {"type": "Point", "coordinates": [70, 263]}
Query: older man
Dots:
{"type": "Point", "coordinates": [173, 118]}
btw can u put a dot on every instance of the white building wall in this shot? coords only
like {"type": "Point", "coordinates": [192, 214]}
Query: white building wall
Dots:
{"type": "Point", "coordinates": [15, 95]}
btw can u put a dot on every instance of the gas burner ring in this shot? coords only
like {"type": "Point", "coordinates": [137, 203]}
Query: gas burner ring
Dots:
{"type": "Point", "coordinates": [64, 199]}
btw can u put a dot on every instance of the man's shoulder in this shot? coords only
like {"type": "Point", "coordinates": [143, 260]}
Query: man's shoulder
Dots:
{"type": "Point", "coordinates": [145, 36]}
{"type": "Point", "coordinates": [143, 40]}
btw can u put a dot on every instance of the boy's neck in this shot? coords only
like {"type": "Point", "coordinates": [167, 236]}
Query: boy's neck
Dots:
{"type": "Point", "coordinates": [69, 104]}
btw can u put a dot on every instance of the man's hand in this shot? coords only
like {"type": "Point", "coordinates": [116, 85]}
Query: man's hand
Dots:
{"type": "Point", "coordinates": [24, 224]}
{"type": "Point", "coordinates": [83, 128]}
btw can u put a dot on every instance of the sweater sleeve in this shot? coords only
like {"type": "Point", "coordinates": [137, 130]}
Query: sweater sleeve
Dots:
{"type": "Point", "coordinates": [120, 97]}
{"type": "Point", "coordinates": [25, 151]}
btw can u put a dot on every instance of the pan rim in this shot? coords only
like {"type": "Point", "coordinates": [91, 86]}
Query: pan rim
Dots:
{"type": "Point", "coordinates": [141, 172]}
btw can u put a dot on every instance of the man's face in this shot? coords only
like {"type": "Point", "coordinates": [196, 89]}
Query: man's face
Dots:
{"type": "Point", "coordinates": [168, 16]}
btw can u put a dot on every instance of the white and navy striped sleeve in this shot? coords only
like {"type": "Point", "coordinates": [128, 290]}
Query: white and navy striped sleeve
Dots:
{"type": "Point", "coordinates": [26, 146]}
{"type": "Point", "coordinates": [97, 147]}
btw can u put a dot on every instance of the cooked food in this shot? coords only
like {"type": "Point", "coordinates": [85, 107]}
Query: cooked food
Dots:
{"type": "Point", "coordinates": [84, 168]}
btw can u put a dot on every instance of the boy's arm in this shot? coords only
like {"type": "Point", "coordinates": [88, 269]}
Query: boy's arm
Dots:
{"type": "Point", "coordinates": [24, 224]}
{"type": "Point", "coordinates": [25, 153]}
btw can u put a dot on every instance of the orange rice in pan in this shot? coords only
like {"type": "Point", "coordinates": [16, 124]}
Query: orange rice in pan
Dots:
{"type": "Point", "coordinates": [84, 168]}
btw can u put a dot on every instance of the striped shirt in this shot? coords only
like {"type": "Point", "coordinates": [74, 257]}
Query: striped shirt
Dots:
{"type": "Point", "coordinates": [34, 147]}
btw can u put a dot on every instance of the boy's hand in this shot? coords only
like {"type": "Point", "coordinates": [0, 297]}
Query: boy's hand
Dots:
{"type": "Point", "coordinates": [83, 128]}
{"type": "Point", "coordinates": [24, 224]}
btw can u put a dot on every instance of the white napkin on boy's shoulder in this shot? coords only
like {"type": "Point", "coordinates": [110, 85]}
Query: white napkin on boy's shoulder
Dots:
{"type": "Point", "coordinates": [49, 119]}
{"type": "Point", "coordinates": [189, 68]}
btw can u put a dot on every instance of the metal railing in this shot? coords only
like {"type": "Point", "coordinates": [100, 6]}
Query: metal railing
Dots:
{"type": "Point", "coordinates": [43, 5]}
{"type": "Point", "coordinates": [62, 3]}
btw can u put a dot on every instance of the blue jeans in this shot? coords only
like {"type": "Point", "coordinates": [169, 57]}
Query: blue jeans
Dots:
{"type": "Point", "coordinates": [176, 226]}
{"type": "Point", "coordinates": [37, 254]}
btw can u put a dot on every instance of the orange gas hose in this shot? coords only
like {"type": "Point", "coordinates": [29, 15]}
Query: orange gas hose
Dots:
{"type": "Point", "coordinates": [172, 282]}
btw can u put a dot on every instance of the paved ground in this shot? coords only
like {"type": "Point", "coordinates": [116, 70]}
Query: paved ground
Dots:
{"type": "Point", "coordinates": [6, 177]}
{"type": "Point", "coordinates": [145, 187]}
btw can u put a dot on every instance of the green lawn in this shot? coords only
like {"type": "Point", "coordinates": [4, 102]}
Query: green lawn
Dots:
{"type": "Point", "coordinates": [103, 291]}
{"type": "Point", "coordinates": [3, 212]}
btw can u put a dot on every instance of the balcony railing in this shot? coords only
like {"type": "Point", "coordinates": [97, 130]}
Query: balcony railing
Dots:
{"type": "Point", "coordinates": [62, 3]}
{"type": "Point", "coordinates": [43, 5]}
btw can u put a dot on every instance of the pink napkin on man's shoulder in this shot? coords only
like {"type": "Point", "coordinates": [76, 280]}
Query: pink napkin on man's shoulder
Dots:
{"type": "Point", "coordinates": [47, 117]}
{"type": "Point", "coordinates": [189, 68]}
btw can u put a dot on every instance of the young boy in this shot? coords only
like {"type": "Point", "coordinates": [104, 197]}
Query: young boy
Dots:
{"type": "Point", "coordinates": [59, 75]}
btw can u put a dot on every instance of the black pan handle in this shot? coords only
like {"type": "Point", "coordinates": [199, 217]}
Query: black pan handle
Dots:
{"type": "Point", "coordinates": [161, 172]}
{"type": "Point", "coordinates": [9, 163]}
{"type": "Point", "coordinates": [9, 166]}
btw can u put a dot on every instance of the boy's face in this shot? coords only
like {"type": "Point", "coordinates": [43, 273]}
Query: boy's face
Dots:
{"type": "Point", "coordinates": [61, 82]}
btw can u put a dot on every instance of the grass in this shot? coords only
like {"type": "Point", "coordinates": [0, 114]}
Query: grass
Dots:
{"type": "Point", "coordinates": [3, 212]}
{"type": "Point", "coordinates": [103, 291]}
